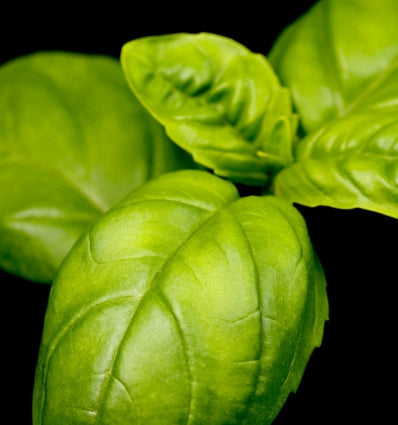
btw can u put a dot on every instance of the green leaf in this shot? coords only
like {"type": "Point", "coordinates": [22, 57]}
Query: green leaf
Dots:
{"type": "Point", "coordinates": [344, 55]}
{"type": "Point", "coordinates": [337, 58]}
{"type": "Point", "coordinates": [350, 163]}
{"type": "Point", "coordinates": [183, 304]}
{"type": "Point", "coordinates": [73, 142]}
{"type": "Point", "coordinates": [217, 100]}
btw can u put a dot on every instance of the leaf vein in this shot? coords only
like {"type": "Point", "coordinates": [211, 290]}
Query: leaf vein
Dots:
{"type": "Point", "coordinates": [260, 309]}
{"type": "Point", "coordinates": [185, 350]}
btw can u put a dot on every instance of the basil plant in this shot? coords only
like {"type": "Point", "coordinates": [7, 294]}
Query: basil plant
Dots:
{"type": "Point", "coordinates": [189, 291]}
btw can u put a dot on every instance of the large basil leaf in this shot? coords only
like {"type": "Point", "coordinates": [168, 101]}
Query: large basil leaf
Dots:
{"type": "Point", "coordinates": [345, 85]}
{"type": "Point", "coordinates": [338, 58]}
{"type": "Point", "coordinates": [216, 99]}
{"type": "Point", "coordinates": [73, 142]}
{"type": "Point", "coordinates": [183, 304]}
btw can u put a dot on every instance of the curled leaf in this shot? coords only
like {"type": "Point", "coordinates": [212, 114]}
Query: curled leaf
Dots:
{"type": "Point", "coordinates": [217, 100]}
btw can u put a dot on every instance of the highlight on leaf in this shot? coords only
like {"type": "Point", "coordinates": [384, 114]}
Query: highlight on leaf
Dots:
{"type": "Point", "coordinates": [191, 305]}
{"type": "Point", "coordinates": [339, 57]}
{"type": "Point", "coordinates": [344, 80]}
{"type": "Point", "coordinates": [217, 100]}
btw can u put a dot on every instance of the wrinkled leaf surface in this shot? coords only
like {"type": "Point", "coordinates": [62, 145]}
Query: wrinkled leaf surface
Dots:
{"type": "Point", "coordinates": [185, 304]}
{"type": "Point", "coordinates": [217, 100]}
{"type": "Point", "coordinates": [341, 62]}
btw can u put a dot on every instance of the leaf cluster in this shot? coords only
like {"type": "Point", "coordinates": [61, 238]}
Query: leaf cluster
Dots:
{"type": "Point", "coordinates": [158, 196]}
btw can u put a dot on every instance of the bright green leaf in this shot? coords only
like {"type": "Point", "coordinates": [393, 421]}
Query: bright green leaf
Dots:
{"type": "Point", "coordinates": [183, 304]}
{"type": "Point", "coordinates": [351, 163]}
{"type": "Point", "coordinates": [344, 55]}
{"type": "Point", "coordinates": [339, 58]}
{"type": "Point", "coordinates": [73, 142]}
{"type": "Point", "coordinates": [217, 100]}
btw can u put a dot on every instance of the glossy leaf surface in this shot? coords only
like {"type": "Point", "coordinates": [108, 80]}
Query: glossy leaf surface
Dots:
{"type": "Point", "coordinates": [345, 85]}
{"type": "Point", "coordinates": [339, 58]}
{"type": "Point", "coordinates": [185, 304]}
{"type": "Point", "coordinates": [217, 100]}
{"type": "Point", "coordinates": [73, 142]}
{"type": "Point", "coordinates": [350, 163]}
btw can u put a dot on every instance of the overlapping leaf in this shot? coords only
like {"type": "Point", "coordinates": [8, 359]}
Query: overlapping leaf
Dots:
{"type": "Point", "coordinates": [73, 142]}
{"type": "Point", "coordinates": [190, 305]}
{"type": "Point", "coordinates": [341, 62]}
{"type": "Point", "coordinates": [337, 58]}
{"type": "Point", "coordinates": [217, 100]}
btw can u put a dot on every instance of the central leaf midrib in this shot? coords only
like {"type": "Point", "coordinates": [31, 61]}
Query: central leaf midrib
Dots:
{"type": "Point", "coordinates": [371, 87]}
{"type": "Point", "coordinates": [79, 316]}
{"type": "Point", "coordinates": [342, 105]}
{"type": "Point", "coordinates": [84, 191]}
{"type": "Point", "coordinates": [259, 295]}
{"type": "Point", "coordinates": [359, 153]}
{"type": "Point", "coordinates": [151, 287]}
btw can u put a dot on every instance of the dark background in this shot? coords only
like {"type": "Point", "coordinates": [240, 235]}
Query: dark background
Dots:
{"type": "Point", "coordinates": [348, 379]}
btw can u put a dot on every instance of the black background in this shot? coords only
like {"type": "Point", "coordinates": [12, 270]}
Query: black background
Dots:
{"type": "Point", "coordinates": [348, 379]}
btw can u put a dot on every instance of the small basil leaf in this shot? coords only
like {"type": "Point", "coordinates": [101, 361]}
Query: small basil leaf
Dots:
{"type": "Point", "coordinates": [350, 163]}
{"type": "Point", "coordinates": [73, 142]}
{"type": "Point", "coordinates": [337, 57]}
{"type": "Point", "coordinates": [183, 304]}
{"type": "Point", "coordinates": [217, 100]}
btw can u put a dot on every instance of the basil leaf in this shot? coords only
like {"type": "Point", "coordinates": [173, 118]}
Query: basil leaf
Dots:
{"type": "Point", "coordinates": [350, 163]}
{"type": "Point", "coordinates": [73, 142]}
{"type": "Point", "coordinates": [217, 100]}
{"type": "Point", "coordinates": [183, 304]}
{"type": "Point", "coordinates": [337, 57]}
{"type": "Point", "coordinates": [345, 86]}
